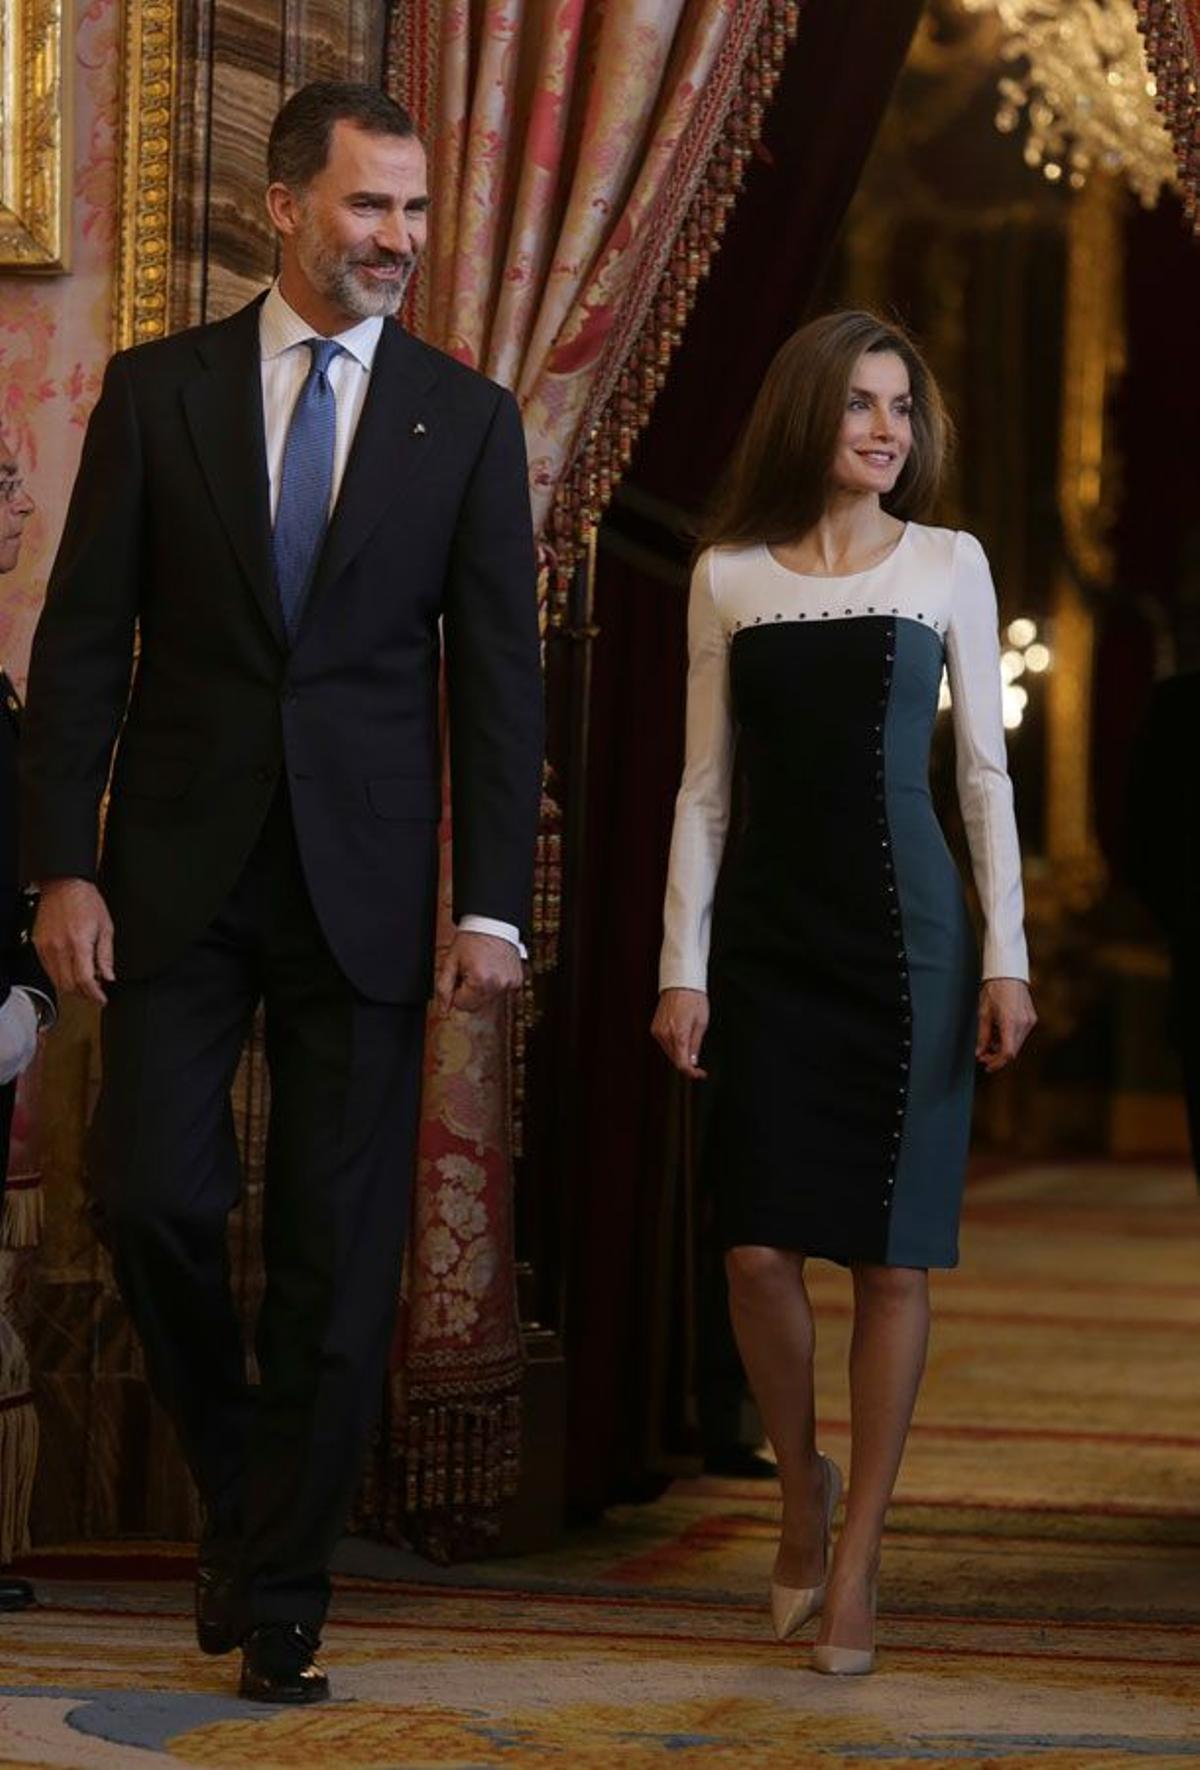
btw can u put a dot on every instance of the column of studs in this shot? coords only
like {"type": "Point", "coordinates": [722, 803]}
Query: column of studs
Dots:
{"type": "Point", "coordinates": [895, 926]}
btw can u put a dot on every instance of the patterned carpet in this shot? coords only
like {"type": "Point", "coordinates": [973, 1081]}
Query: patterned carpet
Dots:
{"type": "Point", "coordinates": [1040, 1603]}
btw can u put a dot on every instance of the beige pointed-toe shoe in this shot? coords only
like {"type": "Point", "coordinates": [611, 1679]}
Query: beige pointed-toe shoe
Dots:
{"type": "Point", "coordinates": [791, 1606]}
{"type": "Point", "coordinates": [845, 1662]}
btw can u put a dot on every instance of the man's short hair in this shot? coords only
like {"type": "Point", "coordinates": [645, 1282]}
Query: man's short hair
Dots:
{"type": "Point", "coordinates": [299, 145]}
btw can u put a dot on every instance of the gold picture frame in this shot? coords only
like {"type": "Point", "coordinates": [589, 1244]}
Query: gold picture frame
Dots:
{"type": "Point", "coordinates": [150, 79]}
{"type": "Point", "coordinates": [36, 37]}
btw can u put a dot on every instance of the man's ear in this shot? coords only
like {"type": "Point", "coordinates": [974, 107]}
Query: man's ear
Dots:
{"type": "Point", "coordinates": [283, 207]}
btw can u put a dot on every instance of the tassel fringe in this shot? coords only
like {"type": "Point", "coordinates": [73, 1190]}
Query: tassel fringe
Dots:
{"type": "Point", "coordinates": [23, 1215]}
{"type": "Point", "coordinates": [459, 1461]}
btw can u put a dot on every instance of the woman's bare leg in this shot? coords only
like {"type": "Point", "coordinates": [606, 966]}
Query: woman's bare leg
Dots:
{"type": "Point", "coordinates": [773, 1325]}
{"type": "Point", "coordinates": [887, 1359]}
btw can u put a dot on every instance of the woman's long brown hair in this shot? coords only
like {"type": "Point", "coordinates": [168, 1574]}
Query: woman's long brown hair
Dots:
{"type": "Point", "coordinates": [777, 484]}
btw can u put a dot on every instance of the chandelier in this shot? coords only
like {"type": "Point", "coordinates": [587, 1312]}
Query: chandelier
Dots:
{"type": "Point", "coordinates": [1076, 71]}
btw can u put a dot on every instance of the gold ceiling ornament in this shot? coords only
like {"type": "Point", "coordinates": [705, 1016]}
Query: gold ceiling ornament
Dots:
{"type": "Point", "coordinates": [1075, 71]}
{"type": "Point", "coordinates": [1171, 29]}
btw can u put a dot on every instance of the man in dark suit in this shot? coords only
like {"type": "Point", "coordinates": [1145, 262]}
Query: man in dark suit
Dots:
{"type": "Point", "coordinates": [1163, 857]}
{"type": "Point", "coordinates": [305, 511]}
{"type": "Point", "coordinates": [26, 998]}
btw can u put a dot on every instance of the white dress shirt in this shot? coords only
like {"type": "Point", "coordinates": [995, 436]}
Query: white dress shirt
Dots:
{"type": "Point", "coordinates": [285, 366]}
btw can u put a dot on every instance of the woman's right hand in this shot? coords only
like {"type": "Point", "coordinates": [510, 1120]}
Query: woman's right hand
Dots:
{"type": "Point", "coordinates": [680, 1023]}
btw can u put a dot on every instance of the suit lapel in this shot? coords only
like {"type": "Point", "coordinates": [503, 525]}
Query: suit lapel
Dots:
{"type": "Point", "coordinates": [224, 409]}
{"type": "Point", "coordinates": [395, 437]}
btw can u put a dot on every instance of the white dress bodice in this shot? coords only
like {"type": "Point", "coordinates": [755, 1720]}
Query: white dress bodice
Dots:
{"type": "Point", "coordinates": [938, 577]}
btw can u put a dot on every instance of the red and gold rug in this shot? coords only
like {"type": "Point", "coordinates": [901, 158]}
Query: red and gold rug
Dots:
{"type": "Point", "coordinates": [1040, 1603]}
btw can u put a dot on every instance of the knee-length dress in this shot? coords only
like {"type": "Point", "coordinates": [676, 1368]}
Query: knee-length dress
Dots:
{"type": "Point", "coordinates": [830, 927]}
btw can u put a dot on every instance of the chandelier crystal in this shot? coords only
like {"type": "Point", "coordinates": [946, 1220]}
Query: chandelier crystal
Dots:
{"type": "Point", "coordinates": [1075, 71]}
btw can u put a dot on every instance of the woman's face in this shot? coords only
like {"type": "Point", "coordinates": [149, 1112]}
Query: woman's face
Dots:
{"type": "Point", "coordinates": [876, 433]}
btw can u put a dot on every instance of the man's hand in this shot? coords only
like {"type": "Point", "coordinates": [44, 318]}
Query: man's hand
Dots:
{"type": "Point", "coordinates": [475, 968]}
{"type": "Point", "coordinates": [1006, 1019]}
{"type": "Point", "coordinates": [680, 1023]}
{"type": "Point", "coordinates": [73, 934]}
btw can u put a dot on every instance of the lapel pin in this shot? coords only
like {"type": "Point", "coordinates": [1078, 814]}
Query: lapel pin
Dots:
{"type": "Point", "coordinates": [418, 428]}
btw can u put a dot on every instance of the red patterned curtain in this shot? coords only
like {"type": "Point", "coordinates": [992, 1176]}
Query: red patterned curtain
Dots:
{"type": "Point", "coordinates": [1172, 32]}
{"type": "Point", "coordinates": [583, 160]}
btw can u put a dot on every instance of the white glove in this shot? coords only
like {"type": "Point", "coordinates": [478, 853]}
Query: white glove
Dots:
{"type": "Point", "coordinates": [18, 1034]}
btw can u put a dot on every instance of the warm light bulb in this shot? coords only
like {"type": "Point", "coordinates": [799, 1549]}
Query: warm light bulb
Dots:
{"type": "Point", "coordinates": [1022, 632]}
{"type": "Point", "coordinates": [1012, 665]}
{"type": "Point", "coordinates": [1037, 658]}
{"type": "Point", "coordinates": [1013, 706]}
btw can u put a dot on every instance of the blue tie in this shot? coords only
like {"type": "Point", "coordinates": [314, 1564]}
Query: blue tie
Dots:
{"type": "Point", "coordinates": [302, 513]}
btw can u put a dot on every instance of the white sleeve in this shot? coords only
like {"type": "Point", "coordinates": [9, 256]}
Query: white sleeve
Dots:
{"type": "Point", "coordinates": [702, 806]}
{"type": "Point", "coordinates": [18, 1035]}
{"type": "Point", "coordinates": [984, 788]}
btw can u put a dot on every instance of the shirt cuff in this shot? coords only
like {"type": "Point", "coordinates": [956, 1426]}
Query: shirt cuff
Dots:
{"type": "Point", "coordinates": [487, 925]}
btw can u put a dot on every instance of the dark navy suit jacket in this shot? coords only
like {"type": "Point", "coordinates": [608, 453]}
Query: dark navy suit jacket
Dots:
{"type": "Point", "coordinates": [429, 559]}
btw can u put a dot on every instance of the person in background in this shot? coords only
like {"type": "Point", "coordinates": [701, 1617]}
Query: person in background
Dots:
{"type": "Point", "coordinates": [26, 1004]}
{"type": "Point", "coordinates": [849, 1007]}
{"type": "Point", "coordinates": [1163, 857]}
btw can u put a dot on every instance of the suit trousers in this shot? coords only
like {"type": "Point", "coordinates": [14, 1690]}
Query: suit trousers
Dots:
{"type": "Point", "coordinates": [276, 1463]}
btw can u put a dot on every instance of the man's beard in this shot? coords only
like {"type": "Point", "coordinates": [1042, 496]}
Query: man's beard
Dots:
{"type": "Point", "coordinates": [333, 275]}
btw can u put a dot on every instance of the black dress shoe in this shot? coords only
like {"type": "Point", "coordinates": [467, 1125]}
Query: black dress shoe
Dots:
{"type": "Point", "coordinates": [739, 1462]}
{"type": "Point", "coordinates": [278, 1664]}
{"type": "Point", "coordinates": [15, 1594]}
{"type": "Point", "coordinates": [218, 1625]}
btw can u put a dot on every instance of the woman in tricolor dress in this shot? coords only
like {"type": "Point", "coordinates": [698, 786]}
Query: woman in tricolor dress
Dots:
{"type": "Point", "coordinates": [828, 982]}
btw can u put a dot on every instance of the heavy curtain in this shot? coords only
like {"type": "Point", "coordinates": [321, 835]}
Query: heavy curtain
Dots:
{"type": "Point", "coordinates": [1172, 32]}
{"type": "Point", "coordinates": [583, 159]}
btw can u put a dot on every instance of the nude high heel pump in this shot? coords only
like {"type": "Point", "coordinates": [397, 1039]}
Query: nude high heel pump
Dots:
{"type": "Point", "coordinates": [791, 1606]}
{"type": "Point", "coordinates": [845, 1662]}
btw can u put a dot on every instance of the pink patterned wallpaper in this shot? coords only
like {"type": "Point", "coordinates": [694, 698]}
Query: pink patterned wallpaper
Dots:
{"type": "Point", "coordinates": [55, 332]}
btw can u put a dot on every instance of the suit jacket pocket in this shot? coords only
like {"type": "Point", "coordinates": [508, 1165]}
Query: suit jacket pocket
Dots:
{"type": "Point", "coordinates": [405, 796]}
{"type": "Point", "coordinates": [143, 776]}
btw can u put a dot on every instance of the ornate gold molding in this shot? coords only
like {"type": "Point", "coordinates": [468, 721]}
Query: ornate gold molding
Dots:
{"type": "Point", "coordinates": [150, 58]}
{"type": "Point", "coordinates": [1093, 359]}
{"type": "Point", "coordinates": [35, 135]}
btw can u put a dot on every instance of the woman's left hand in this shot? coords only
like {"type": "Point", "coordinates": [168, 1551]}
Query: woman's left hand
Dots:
{"type": "Point", "coordinates": [1006, 1019]}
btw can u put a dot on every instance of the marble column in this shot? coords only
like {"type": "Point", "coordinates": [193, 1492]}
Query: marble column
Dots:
{"type": "Point", "coordinates": [242, 58]}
